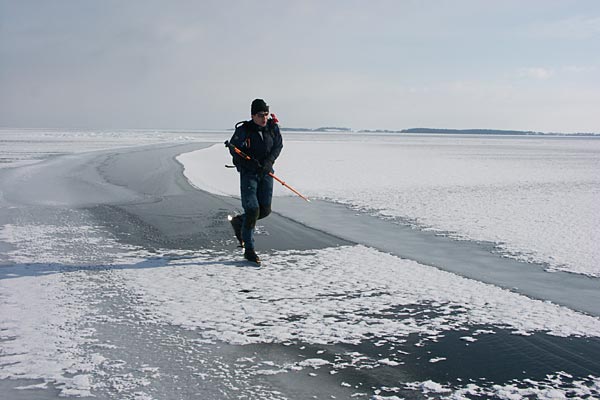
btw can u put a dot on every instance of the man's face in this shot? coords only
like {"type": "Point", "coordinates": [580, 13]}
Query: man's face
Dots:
{"type": "Point", "coordinates": [260, 118]}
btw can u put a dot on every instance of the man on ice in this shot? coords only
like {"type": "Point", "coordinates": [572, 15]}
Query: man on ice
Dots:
{"type": "Point", "coordinates": [260, 139]}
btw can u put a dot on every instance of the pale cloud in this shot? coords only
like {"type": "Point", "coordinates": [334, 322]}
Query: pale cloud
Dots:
{"type": "Point", "coordinates": [577, 27]}
{"type": "Point", "coordinates": [539, 73]}
{"type": "Point", "coordinates": [580, 69]}
{"type": "Point", "coordinates": [192, 65]}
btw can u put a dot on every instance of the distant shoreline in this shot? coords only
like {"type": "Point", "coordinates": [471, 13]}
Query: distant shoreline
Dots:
{"type": "Point", "coordinates": [431, 131]}
{"type": "Point", "coordinates": [442, 131]}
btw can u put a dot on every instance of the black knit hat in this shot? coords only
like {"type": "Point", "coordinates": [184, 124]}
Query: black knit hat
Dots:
{"type": "Point", "coordinates": [259, 105]}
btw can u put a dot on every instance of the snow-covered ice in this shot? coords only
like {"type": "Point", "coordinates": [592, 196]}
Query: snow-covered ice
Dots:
{"type": "Point", "coordinates": [28, 146]}
{"type": "Point", "coordinates": [323, 297]}
{"type": "Point", "coordinates": [87, 291]}
{"type": "Point", "coordinates": [339, 295]}
{"type": "Point", "coordinates": [537, 198]}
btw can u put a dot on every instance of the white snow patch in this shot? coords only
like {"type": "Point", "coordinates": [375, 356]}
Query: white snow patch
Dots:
{"type": "Point", "coordinates": [556, 386]}
{"type": "Point", "coordinates": [387, 361]}
{"type": "Point", "coordinates": [41, 332]}
{"type": "Point", "coordinates": [437, 359]}
{"type": "Point", "coordinates": [68, 244]}
{"type": "Point", "coordinates": [336, 295]}
{"type": "Point", "coordinates": [433, 387]}
{"type": "Point", "coordinates": [315, 363]}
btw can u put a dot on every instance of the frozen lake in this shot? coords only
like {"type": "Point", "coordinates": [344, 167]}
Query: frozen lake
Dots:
{"type": "Point", "coordinates": [135, 289]}
{"type": "Point", "coordinates": [536, 198]}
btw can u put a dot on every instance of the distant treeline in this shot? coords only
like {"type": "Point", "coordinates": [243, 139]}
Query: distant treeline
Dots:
{"type": "Point", "coordinates": [322, 129]}
{"type": "Point", "coordinates": [470, 131]}
{"type": "Point", "coordinates": [475, 132]}
{"type": "Point", "coordinates": [438, 131]}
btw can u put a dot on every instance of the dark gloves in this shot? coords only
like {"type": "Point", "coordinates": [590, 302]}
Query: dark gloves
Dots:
{"type": "Point", "coordinates": [267, 167]}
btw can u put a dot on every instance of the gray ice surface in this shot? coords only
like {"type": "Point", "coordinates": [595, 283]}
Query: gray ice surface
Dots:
{"type": "Point", "coordinates": [180, 216]}
{"type": "Point", "coordinates": [142, 196]}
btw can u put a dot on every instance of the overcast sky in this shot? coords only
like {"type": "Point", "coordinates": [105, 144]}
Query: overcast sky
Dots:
{"type": "Point", "coordinates": [505, 64]}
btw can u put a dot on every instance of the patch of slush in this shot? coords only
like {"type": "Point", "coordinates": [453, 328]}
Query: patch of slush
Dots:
{"type": "Point", "coordinates": [537, 198]}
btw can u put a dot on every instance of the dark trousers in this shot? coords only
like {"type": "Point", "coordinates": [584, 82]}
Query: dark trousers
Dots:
{"type": "Point", "coordinates": [257, 194]}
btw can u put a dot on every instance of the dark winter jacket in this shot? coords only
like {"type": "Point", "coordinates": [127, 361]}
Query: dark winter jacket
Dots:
{"type": "Point", "coordinates": [261, 147]}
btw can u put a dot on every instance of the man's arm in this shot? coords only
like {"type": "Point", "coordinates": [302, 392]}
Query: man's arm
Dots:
{"type": "Point", "coordinates": [238, 138]}
{"type": "Point", "coordinates": [277, 144]}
